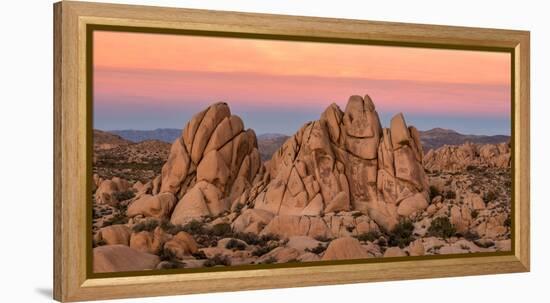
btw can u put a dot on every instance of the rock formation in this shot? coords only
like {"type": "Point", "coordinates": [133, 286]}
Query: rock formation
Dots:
{"type": "Point", "coordinates": [459, 157]}
{"type": "Point", "coordinates": [347, 161]}
{"type": "Point", "coordinates": [342, 187]}
{"type": "Point", "coordinates": [213, 162]}
{"type": "Point", "coordinates": [107, 189]}
{"type": "Point", "coordinates": [120, 258]}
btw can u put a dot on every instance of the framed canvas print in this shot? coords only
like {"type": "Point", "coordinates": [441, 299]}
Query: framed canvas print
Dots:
{"type": "Point", "coordinates": [200, 151]}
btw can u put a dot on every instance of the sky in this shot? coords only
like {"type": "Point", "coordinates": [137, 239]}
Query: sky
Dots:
{"type": "Point", "coordinates": [147, 81]}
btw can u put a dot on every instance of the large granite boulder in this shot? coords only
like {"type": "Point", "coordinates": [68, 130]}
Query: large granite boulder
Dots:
{"type": "Point", "coordinates": [346, 161]}
{"type": "Point", "coordinates": [121, 258]}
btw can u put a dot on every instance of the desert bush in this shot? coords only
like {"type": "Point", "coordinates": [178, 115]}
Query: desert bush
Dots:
{"type": "Point", "coordinates": [318, 249]}
{"type": "Point", "coordinates": [402, 234]}
{"type": "Point", "coordinates": [171, 265]}
{"type": "Point", "coordinates": [221, 230]}
{"type": "Point", "coordinates": [116, 219]}
{"type": "Point", "coordinates": [489, 196]}
{"type": "Point", "coordinates": [434, 192]}
{"type": "Point", "coordinates": [253, 239]}
{"type": "Point", "coordinates": [441, 227]}
{"type": "Point", "coordinates": [194, 227]}
{"type": "Point", "coordinates": [167, 255]}
{"type": "Point", "coordinates": [200, 255]}
{"type": "Point", "coordinates": [474, 213]}
{"type": "Point", "coordinates": [322, 239]}
{"type": "Point", "coordinates": [370, 236]}
{"type": "Point", "coordinates": [147, 225]}
{"type": "Point", "coordinates": [124, 195]}
{"type": "Point", "coordinates": [235, 245]}
{"type": "Point", "coordinates": [121, 208]}
{"type": "Point", "coordinates": [170, 228]}
{"type": "Point", "coordinates": [262, 250]}
{"type": "Point", "coordinates": [450, 194]}
{"type": "Point", "coordinates": [217, 260]}
{"type": "Point", "coordinates": [293, 261]}
{"type": "Point", "coordinates": [471, 236]}
{"type": "Point", "coordinates": [270, 260]}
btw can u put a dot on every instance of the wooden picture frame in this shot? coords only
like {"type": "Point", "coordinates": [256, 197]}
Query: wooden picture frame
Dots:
{"type": "Point", "coordinates": [72, 124]}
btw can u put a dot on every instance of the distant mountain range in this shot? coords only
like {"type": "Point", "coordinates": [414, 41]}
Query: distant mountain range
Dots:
{"type": "Point", "coordinates": [161, 134]}
{"type": "Point", "coordinates": [437, 137]}
{"type": "Point", "coordinates": [268, 143]}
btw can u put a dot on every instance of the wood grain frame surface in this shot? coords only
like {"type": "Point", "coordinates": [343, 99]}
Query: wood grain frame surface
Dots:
{"type": "Point", "coordinates": [72, 143]}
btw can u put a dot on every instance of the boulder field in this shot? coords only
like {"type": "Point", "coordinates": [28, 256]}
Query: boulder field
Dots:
{"type": "Point", "coordinates": [330, 192]}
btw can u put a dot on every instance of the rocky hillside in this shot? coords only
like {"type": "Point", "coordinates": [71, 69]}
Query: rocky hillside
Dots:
{"type": "Point", "coordinates": [437, 137]}
{"type": "Point", "coordinates": [140, 161]}
{"type": "Point", "coordinates": [456, 158]}
{"type": "Point", "coordinates": [106, 140]}
{"type": "Point", "coordinates": [268, 144]}
{"type": "Point", "coordinates": [160, 134]}
{"type": "Point", "coordinates": [341, 187]}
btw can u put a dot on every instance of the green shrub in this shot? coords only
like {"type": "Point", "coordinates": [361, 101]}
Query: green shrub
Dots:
{"type": "Point", "coordinates": [194, 227]}
{"type": "Point", "coordinates": [318, 249]}
{"type": "Point", "coordinates": [434, 192]}
{"type": "Point", "coordinates": [235, 245]}
{"type": "Point", "coordinates": [262, 250]}
{"type": "Point", "coordinates": [489, 196]}
{"type": "Point", "coordinates": [402, 234]}
{"type": "Point", "coordinates": [200, 255]}
{"type": "Point", "coordinates": [221, 230]}
{"type": "Point", "coordinates": [116, 219]}
{"type": "Point", "coordinates": [471, 236]}
{"type": "Point", "coordinates": [270, 260]}
{"type": "Point", "coordinates": [171, 265]}
{"type": "Point", "coordinates": [293, 261]}
{"type": "Point", "coordinates": [170, 228]}
{"type": "Point", "coordinates": [441, 227]}
{"type": "Point", "coordinates": [253, 239]}
{"type": "Point", "coordinates": [124, 195]}
{"type": "Point", "coordinates": [450, 194]}
{"type": "Point", "coordinates": [217, 260]}
{"type": "Point", "coordinates": [370, 236]}
{"type": "Point", "coordinates": [167, 255]}
{"type": "Point", "coordinates": [322, 238]}
{"type": "Point", "coordinates": [147, 225]}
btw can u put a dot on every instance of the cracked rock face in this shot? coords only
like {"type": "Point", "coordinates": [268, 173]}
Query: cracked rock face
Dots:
{"type": "Point", "coordinates": [347, 161]}
{"type": "Point", "coordinates": [215, 158]}
{"type": "Point", "coordinates": [343, 162]}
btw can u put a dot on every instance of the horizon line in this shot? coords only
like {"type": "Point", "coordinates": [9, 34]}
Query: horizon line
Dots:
{"type": "Point", "coordinates": [280, 133]}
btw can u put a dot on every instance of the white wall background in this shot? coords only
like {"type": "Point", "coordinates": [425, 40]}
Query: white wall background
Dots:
{"type": "Point", "coordinates": [26, 149]}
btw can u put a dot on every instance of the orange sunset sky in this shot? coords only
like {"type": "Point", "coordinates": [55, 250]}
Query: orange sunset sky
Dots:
{"type": "Point", "coordinates": [148, 81]}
